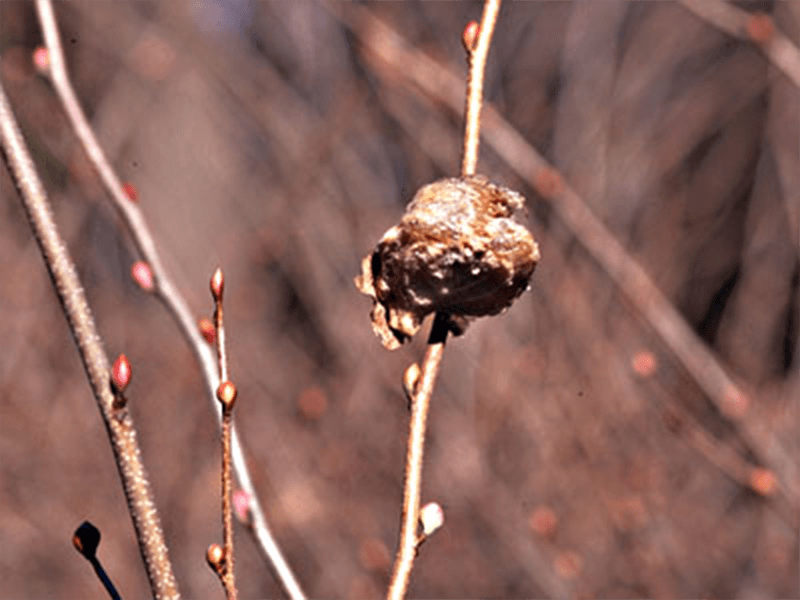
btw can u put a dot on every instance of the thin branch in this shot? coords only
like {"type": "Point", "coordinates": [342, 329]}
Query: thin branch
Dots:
{"type": "Point", "coordinates": [754, 27]}
{"type": "Point", "coordinates": [118, 421]}
{"type": "Point", "coordinates": [416, 444]}
{"type": "Point", "coordinates": [226, 394]}
{"type": "Point", "coordinates": [697, 358]}
{"type": "Point", "coordinates": [477, 67]}
{"type": "Point", "coordinates": [421, 395]}
{"type": "Point", "coordinates": [165, 289]}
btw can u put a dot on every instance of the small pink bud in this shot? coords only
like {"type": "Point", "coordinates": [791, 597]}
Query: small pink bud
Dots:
{"type": "Point", "coordinates": [217, 284]}
{"type": "Point", "coordinates": [130, 192]}
{"type": "Point", "coordinates": [215, 556]}
{"type": "Point", "coordinates": [121, 373]}
{"type": "Point", "coordinates": [143, 275]}
{"type": "Point", "coordinates": [760, 27]}
{"type": "Point", "coordinates": [226, 393]}
{"type": "Point", "coordinates": [470, 36]}
{"type": "Point", "coordinates": [207, 330]}
{"type": "Point", "coordinates": [41, 59]}
{"type": "Point", "coordinates": [241, 504]}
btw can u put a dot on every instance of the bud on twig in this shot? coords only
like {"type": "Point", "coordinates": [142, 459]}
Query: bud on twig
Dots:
{"type": "Point", "coordinates": [121, 373]}
{"type": "Point", "coordinates": [431, 517]}
{"type": "Point", "coordinates": [470, 36]}
{"type": "Point", "coordinates": [215, 556]}
{"type": "Point", "coordinates": [41, 60]}
{"type": "Point", "coordinates": [226, 393]}
{"type": "Point", "coordinates": [217, 284]}
{"type": "Point", "coordinates": [143, 275]}
{"type": "Point", "coordinates": [207, 330]}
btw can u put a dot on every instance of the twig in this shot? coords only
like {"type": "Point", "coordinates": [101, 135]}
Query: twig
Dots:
{"type": "Point", "coordinates": [86, 539]}
{"type": "Point", "coordinates": [634, 282]}
{"type": "Point", "coordinates": [416, 444]}
{"type": "Point", "coordinates": [477, 54]}
{"type": "Point", "coordinates": [226, 394]}
{"type": "Point", "coordinates": [118, 421]}
{"type": "Point", "coordinates": [421, 395]}
{"type": "Point", "coordinates": [755, 27]}
{"type": "Point", "coordinates": [165, 290]}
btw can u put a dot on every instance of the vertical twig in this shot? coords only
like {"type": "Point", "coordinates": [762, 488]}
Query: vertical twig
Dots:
{"type": "Point", "coordinates": [421, 395]}
{"type": "Point", "coordinates": [118, 421]}
{"type": "Point", "coordinates": [477, 54]}
{"type": "Point", "coordinates": [416, 443]}
{"type": "Point", "coordinates": [165, 289]}
{"type": "Point", "coordinates": [226, 394]}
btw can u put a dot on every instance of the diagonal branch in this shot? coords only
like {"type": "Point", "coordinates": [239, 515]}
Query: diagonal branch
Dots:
{"type": "Point", "coordinates": [165, 289]}
{"type": "Point", "coordinates": [117, 418]}
{"type": "Point", "coordinates": [755, 27]}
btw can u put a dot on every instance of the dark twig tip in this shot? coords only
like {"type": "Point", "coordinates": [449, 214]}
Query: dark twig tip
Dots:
{"type": "Point", "coordinates": [86, 539]}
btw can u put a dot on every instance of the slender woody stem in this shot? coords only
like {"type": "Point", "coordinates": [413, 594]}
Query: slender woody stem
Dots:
{"type": "Point", "coordinates": [118, 421]}
{"type": "Point", "coordinates": [227, 396]}
{"type": "Point", "coordinates": [414, 454]}
{"type": "Point", "coordinates": [477, 68]}
{"type": "Point", "coordinates": [165, 290]}
{"type": "Point", "coordinates": [409, 540]}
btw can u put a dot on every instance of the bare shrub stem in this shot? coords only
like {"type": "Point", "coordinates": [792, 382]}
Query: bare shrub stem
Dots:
{"type": "Point", "coordinates": [226, 394]}
{"type": "Point", "coordinates": [118, 421]}
{"type": "Point", "coordinates": [420, 405]}
{"type": "Point", "coordinates": [166, 290]}
{"type": "Point", "coordinates": [477, 68]}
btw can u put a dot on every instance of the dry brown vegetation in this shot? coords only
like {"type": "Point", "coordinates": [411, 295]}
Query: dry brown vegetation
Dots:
{"type": "Point", "coordinates": [573, 454]}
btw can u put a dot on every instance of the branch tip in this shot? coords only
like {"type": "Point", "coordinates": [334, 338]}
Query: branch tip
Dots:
{"type": "Point", "coordinates": [226, 394]}
{"type": "Point", "coordinates": [121, 373]}
{"type": "Point", "coordinates": [217, 284]}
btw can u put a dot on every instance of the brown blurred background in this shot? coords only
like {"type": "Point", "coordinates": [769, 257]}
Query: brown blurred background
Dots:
{"type": "Point", "coordinates": [572, 453]}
